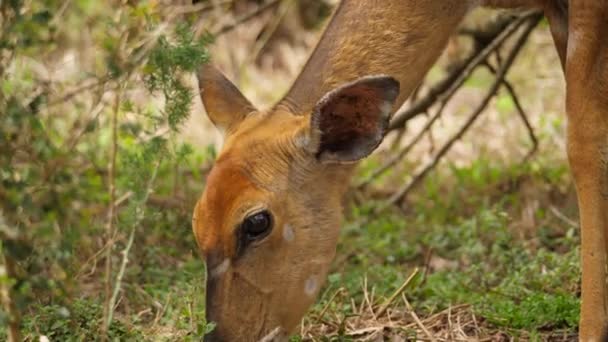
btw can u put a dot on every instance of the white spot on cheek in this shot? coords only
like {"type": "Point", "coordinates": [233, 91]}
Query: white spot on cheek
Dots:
{"type": "Point", "coordinates": [288, 233]}
{"type": "Point", "coordinates": [310, 287]}
{"type": "Point", "coordinates": [220, 269]}
{"type": "Point", "coordinates": [301, 141]}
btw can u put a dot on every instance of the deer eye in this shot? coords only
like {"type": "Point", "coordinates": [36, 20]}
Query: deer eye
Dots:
{"type": "Point", "coordinates": [257, 226]}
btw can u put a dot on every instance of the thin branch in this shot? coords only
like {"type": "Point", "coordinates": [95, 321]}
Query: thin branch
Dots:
{"type": "Point", "coordinates": [397, 293]}
{"type": "Point", "coordinates": [267, 34]}
{"type": "Point", "coordinates": [271, 336]}
{"type": "Point", "coordinates": [139, 216]}
{"type": "Point", "coordinates": [444, 90]}
{"type": "Point", "coordinates": [245, 18]}
{"type": "Point", "coordinates": [320, 316]}
{"type": "Point", "coordinates": [110, 220]}
{"type": "Point", "coordinates": [417, 319]}
{"type": "Point", "coordinates": [404, 151]}
{"type": "Point", "coordinates": [520, 111]}
{"type": "Point", "coordinates": [99, 82]}
{"type": "Point", "coordinates": [403, 129]}
{"type": "Point", "coordinates": [400, 194]}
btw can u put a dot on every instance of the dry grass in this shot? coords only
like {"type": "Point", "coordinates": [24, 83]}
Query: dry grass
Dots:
{"type": "Point", "coordinates": [395, 320]}
{"type": "Point", "coordinates": [401, 323]}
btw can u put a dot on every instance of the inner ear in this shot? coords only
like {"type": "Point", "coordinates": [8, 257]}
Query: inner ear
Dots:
{"type": "Point", "coordinates": [349, 122]}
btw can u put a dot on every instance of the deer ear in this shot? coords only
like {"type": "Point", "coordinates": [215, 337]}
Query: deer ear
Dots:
{"type": "Point", "coordinates": [348, 123]}
{"type": "Point", "coordinates": [224, 103]}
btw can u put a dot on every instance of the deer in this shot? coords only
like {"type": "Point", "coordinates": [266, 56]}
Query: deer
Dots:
{"type": "Point", "coordinates": [268, 221]}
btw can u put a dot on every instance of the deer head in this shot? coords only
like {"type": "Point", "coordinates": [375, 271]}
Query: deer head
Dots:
{"type": "Point", "coordinates": [268, 220]}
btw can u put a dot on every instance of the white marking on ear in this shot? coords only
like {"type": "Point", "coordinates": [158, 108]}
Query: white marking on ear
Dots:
{"type": "Point", "coordinates": [310, 286]}
{"type": "Point", "coordinates": [288, 234]}
{"type": "Point", "coordinates": [385, 108]}
{"type": "Point", "coordinates": [220, 269]}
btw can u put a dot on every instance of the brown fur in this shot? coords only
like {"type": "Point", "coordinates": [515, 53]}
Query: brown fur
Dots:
{"type": "Point", "coordinates": [270, 160]}
{"type": "Point", "coordinates": [354, 46]}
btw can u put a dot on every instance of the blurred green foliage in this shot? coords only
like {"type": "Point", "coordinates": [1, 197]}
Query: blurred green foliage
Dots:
{"type": "Point", "coordinates": [55, 142]}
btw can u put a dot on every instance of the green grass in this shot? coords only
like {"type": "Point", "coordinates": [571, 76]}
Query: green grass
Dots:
{"type": "Point", "coordinates": [466, 219]}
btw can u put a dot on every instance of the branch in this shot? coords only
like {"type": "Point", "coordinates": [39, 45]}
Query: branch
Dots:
{"type": "Point", "coordinates": [397, 157]}
{"type": "Point", "coordinates": [139, 212]}
{"type": "Point", "coordinates": [268, 32]}
{"type": "Point", "coordinates": [446, 88]}
{"type": "Point", "coordinates": [520, 112]}
{"type": "Point", "coordinates": [110, 223]}
{"type": "Point", "coordinates": [245, 18]}
{"type": "Point", "coordinates": [530, 23]}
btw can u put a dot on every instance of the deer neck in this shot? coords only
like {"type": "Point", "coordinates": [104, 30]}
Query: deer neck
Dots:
{"type": "Point", "coordinates": [400, 38]}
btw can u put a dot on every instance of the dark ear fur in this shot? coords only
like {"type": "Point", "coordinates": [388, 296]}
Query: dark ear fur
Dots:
{"type": "Point", "coordinates": [224, 103]}
{"type": "Point", "coordinates": [348, 123]}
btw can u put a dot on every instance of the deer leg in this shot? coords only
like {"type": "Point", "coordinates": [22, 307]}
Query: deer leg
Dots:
{"type": "Point", "coordinates": [587, 109]}
{"type": "Point", "coordinates": [556, 12]}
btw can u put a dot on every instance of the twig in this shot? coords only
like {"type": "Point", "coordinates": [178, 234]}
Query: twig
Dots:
{"type": "Point", "coordinates": [446, 88]}
{"type": "Point", "coordinates": [320, 316]}
{"type": "Point", "coordinates": [388, 302]}
{"type": "Point", "coordinates": [444, 91]}
{"type": "Point", "coordinates": [93, 259]}
{"type": "Point", "coordinates": [563, 217]}
{"type": "Point", "coordinates": [404, 151]}
{"type": "Point", "coordinates": [267, 34]}
{"type": "Point", "coordinates": [246, 18]}
{"type": "Point", "coordinates": [403, 129]}
{"type": "Point", "coordinates": [416, 319]}
{"type": "Point", "coordinates": [520, 112]}
{"type": "Point", "coordinates": [110, 221]}
{"type": "Point", "coordinates": [161, 309]}
{"type": "Point", "coordinates": [139, 216]}
{"type": "Point", "coordinates": [271, 336]}
{"type": "Point", "coordinates": [71, 142]}
{"type": "Point", "coordinates": [96, 83]}
{"type": "Point", "coordinates": [366, 297]}
{"type": "Point", "coordinates": [531, 22]}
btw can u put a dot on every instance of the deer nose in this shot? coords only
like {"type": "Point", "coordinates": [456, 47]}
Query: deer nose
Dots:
{"type": "Point", "coordinates": [213, 313]}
